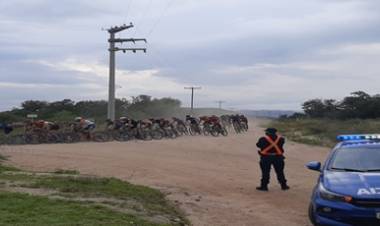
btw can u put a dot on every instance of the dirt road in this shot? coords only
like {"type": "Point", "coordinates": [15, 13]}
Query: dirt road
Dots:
{"type": "Point", "coordinates": [212, 179]}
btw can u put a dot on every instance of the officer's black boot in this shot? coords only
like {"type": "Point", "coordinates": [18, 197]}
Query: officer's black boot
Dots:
{"type": "Point", "coordinates": [285, 187]}
{"type": "Point", "coordinates": [262, 188]}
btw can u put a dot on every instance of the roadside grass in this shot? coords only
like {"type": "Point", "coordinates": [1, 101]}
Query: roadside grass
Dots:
{"type": "Point", "coordinates": [16, 177]}
{"type": "Point", "coordinates": [323, 132]}
{"type": "Point", "coordinates": [24, 209]}
{"type": "Point", "coordinates": [16, 131]}
{"type": "Point", "coordinates": [67, 198]}
{"type": "Point", "coordinates": [153, 201]}
{"type": "Point", "coordinates": [5, 168]}
{"type": "Point", "coordinates": [2, 158]}
{"type": "Point", "coordinates": [63, 171]}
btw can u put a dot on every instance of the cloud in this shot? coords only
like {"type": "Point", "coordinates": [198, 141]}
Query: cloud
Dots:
{"type": "Point", "coordinates": [332, 73]}
{"type": "Point", "coordinates": [40, 10]}
{"type": "Point", "coordinates": [129, 82]}
{"type": "Point", "coordinates": [251, 53]}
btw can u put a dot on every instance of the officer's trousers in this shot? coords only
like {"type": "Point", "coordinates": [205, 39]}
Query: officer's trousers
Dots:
{"type": "Point", "coordinates": [278, 164]}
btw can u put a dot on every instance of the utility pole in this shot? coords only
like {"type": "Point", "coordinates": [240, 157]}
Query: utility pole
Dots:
{"type": "Point", "coordinates": [220, 102]}
{"type": "Point", "coordinates": [113, 49]}
{"type": "Point", "coordinates": [192, 95]}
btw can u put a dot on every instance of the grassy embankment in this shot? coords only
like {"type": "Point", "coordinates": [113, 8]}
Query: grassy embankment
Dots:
{"type": "Point", "coordinates": [65, 197]}
{"type": "Point", "coordinates": [323, 132]}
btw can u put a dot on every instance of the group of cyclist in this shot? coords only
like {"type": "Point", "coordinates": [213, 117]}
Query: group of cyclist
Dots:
{"type": "Point", "coordinates": [238, 122]}
{"type": "Point", "coordinates": [155, 128]}
{"type": "Point", "coordinates": [79, 124]}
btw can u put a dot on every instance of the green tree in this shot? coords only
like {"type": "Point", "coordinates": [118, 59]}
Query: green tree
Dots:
{"type": "Point", "coordinates": [314, 108]}
{"type": "Point", "coordinates": [33, 106]}
{"type": "Point", "coordinates": [356, 105]}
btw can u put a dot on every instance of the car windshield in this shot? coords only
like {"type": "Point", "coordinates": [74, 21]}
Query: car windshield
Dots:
{"type": "Point", "coordinates": [356, 159]}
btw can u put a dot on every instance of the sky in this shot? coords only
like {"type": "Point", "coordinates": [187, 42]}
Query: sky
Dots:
{"type": "Point", "coordinates": [252, 54]}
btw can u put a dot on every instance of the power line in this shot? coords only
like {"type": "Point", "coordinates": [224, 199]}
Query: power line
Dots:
{"type": "Point", "coordinates": [129, 7]}
{"type": "Point", "coordinates": [160, 58]}
{"type": "Point", "coordinates": [160, 17]}
{"type": "Point", "coordinates": [143, 15]}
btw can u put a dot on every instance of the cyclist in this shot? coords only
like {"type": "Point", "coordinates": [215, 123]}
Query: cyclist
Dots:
{"type": "Point", "coordinates": [84, 126]}
{"type": "Point", "coordinates": [192, 120]}
{"type": "Point", "coordinates": [244, 120]}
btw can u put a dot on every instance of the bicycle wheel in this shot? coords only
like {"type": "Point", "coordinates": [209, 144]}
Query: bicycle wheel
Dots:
{"type": "Point", "coordinates": [224, 132]}
{"type": "Point", "coordinates": [31, 139]}
{"type": "Point", "coordinates": [173, 134]}
{"type": "Point", "coordinates": [206, 131]}
{"type": "Point", "coordinates": [52, 138]}
{"type": "Point", "coordinates": [191, 131]}
{"type": "Point", "coordinates": [60, 137]}
{"type": "Point", "coordinates": [120, 136]}
{"type": "Point", "coordinates": [100, 137]}
{"type": "Point", "coordinates": [145, 135]}
{"type": "Point", "coordinates": [71, 137]}
{"type": "Point", "coordinates": [236, 128]}
{"type": "Point", "coordinates": [245, 127]}
{"type": "Point", "coordinates": [156, 134]}
{"type": "Point", "coordinates": [214, 133]}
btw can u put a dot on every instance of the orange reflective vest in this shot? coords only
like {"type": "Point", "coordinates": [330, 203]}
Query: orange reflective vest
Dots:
{"type": "Point", "coordinates": [273, 144]}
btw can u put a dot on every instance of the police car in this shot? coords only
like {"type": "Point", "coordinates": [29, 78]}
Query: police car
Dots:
{"type": "Point", "coordinates": [348, 188]}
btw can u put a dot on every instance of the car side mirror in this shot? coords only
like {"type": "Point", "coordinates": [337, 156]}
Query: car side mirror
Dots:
{"type": "Point", "coordinates": [316, 166]}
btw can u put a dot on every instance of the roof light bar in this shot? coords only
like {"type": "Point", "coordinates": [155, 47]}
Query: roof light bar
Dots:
{"type": "Point", "coordinates": [358, 137]}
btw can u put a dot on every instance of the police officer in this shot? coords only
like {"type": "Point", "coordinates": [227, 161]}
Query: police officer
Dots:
{"type": "Point", "coordinates": [271, 153]}
{"type": "Point", "coordinates": [8, 128]}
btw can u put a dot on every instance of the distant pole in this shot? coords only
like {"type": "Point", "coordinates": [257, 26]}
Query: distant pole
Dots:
{"type": "Point", "coordinates": [192, 95]}
{"type": "Point", "coordinates": [112, 49]}
{"type": "Point", "coordinates": [220, 102]}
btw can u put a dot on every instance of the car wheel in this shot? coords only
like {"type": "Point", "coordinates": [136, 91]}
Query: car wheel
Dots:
{"type": "Point", "coordinates": [312, 215]}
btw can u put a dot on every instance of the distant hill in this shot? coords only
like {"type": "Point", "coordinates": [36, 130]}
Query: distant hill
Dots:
{"type": "Point", "coordinates": [266, 113]}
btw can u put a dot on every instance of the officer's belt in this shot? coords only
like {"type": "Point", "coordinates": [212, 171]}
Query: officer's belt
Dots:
{"type": "Point", "coordinates": [271, 154]}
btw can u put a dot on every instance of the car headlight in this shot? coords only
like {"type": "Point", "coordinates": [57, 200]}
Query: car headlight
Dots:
{"type": "Point", "coordinates": [331, 196]}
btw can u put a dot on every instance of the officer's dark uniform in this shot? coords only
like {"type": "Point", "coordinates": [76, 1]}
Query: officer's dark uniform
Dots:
{"type": "Point", "coordinates": [6, 127]}
{"type": "Point", "coordinates": [271, 153]}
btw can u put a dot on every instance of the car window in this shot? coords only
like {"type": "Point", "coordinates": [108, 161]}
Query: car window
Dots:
{"type": "Point", "coordinates": [360, 158]}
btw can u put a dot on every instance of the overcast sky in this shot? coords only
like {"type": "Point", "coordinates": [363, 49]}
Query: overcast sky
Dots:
{"type": "Point", "coordinates": [253, 54]}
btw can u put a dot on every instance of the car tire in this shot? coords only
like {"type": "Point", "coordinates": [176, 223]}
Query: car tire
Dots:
{"type": "Point", "coordinates": [312, 216]}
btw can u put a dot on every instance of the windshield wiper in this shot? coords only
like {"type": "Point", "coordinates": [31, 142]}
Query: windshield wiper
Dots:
{"type": "Point", "coordinates": [372, 170]}
{"type": "Point", "coordinates": [348, 169]}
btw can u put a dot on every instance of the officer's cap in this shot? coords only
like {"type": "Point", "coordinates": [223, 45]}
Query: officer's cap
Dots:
{"type": "Point", "coordinates": [271, 130]}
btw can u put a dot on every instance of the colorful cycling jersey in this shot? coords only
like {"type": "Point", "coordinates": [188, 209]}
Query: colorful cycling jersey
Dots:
{"type": "Point", "coordinates": [192, 120]}
{"type": "Point", "coordinates": [39, 124]}
{"type": "Point", "coordinates": [86, 124]}
{"type": "Point", "coordinates": [213, 119]}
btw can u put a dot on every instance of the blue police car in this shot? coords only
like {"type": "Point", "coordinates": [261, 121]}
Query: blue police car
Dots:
{"type": "Point", "coordinates": [348, 188]}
